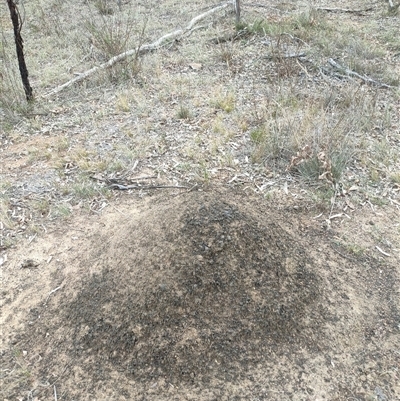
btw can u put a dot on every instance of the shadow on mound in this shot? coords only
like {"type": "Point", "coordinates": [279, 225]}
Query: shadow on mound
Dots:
{"type": "Point", "coordinates": [220, 289]}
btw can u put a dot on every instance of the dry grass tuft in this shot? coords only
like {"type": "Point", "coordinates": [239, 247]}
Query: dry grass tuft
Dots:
{"type": "Point", "coordinates": [224, 101]}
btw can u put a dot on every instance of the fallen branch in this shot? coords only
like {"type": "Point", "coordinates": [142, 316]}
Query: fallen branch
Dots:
{"type": "Point", "coordinates": [113, 183]}
{"type": "Point", "coordinates": [135, 180]}
{"type": "Point", "coordinates": [288, 55]}
{"type": "Point", "coordinates": [267, 6]}
{"type": "Point", "coordinates": [344, 10]}
{"type": "Point", "coordinates": [126, 187]}
{"type": "Point", "coordinates": [140, 50]}
{"type": "Point", "coordinates": [351, 73]}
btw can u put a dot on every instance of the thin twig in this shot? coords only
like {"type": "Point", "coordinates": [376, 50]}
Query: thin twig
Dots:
{"type": "Point", "coordinates": [52, 292]}
{"type": "Point", "coordinates": [119, 211]}
{"type": "Point", "coordinates": [259, 5]}
{"type": "Point", "coordinates": [185, 192]}
{"type": "Point", "coordinates": [32, 238]}
{"type": "Point", "coordinates": [333, 205]}
{"type": "Point", "coordinates": [295, 38]}
{"type": "Point", "coordinates": [137, 179]}
{"type": "Point", "coordinates": [36, 391]}
{"type": "Point", "coordinates": [343, 255]}
{"type": "Point", "coordinates": [288, 55]}
{"type": "Point", "coordinates": [382, 251]}
{"type": "Point", "coordinates": [303, 68]}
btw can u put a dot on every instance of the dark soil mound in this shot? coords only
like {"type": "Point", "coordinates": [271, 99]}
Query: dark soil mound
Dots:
{"type": "Point", "coordinates": [204, 295]}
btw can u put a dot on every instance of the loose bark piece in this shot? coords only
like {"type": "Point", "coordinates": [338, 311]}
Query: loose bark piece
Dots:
{"type": "Point", "coordinates": [139, 50]}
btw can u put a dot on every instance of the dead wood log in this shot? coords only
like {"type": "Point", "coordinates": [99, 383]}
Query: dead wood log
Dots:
{"type": "Point", "coordinates": [140, 50]}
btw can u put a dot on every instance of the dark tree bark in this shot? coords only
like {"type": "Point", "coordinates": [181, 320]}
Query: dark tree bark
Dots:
{"type": "Point", "coordinates": [17, 24]}
{"type": "Point", "coordinates": [236, 4]}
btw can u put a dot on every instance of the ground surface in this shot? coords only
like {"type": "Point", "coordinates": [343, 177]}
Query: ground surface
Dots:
{"type": "Point", "coordinates": [201, 295]}
{"type": "Point", "coordinates": [254, 252]}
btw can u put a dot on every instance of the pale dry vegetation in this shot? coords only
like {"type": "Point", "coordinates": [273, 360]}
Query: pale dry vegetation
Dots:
{"type": "Point", "coordinates": [223, 103]}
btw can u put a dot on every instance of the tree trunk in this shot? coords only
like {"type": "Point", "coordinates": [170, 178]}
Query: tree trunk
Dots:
{"type": "Point", "coordinates": [236, 5]}
{"type": "Point", "coordinates": [16, 20]}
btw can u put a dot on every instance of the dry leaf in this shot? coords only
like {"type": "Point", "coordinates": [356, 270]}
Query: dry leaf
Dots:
{"type": "Point", "coordinates": [326, 165]}
{"type": "Point", "coordinates": [304, 154]}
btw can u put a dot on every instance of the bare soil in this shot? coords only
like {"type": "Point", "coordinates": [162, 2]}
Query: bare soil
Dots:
{"type": "Point", "coordinates": [201, 295]}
